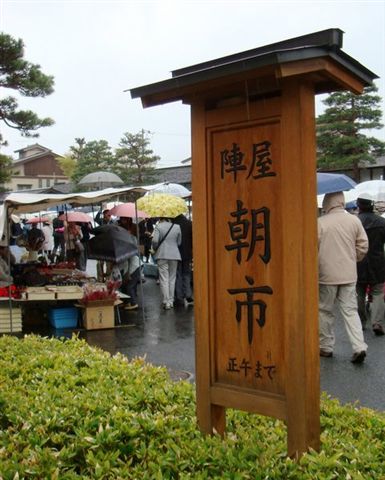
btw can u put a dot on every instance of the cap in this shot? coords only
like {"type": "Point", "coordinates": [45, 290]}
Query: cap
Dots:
{"type": "Point", "coordinates": [365, 202]}
{"type": "Point", "coordinates": [365, 196]}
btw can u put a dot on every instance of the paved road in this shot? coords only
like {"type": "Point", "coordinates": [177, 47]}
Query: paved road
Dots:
{"type": "Point", "coordinates": [167, 338]}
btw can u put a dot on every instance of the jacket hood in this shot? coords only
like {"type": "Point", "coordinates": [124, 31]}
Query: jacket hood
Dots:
{"type": "Point", "coordinates": [332, 201]}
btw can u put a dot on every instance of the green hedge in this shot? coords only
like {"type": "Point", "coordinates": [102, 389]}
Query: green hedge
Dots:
{"type": "Point", "coordinates": [68, 411]}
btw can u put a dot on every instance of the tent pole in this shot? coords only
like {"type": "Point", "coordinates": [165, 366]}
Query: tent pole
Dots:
{"type": "Point", "coordinates": [7, 237]}
{"type": "Point", "coordinates": [140, 259]}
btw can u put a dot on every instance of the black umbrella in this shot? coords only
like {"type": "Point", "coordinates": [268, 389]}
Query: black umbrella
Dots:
{"type": "Point", "coordinates": [112, 243]}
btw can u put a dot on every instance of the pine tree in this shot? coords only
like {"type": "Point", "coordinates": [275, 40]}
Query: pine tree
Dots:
{"type": "Point", "coordinates": [341, 142]}
{"type": "Point", "coordinates": [6, 163]}
{"type": "Point", "coordinates": [135, 161]}
{"type": "Point", "coordinates": [92, 156]}
{"type": "Point", "coordinates": [27, 79]}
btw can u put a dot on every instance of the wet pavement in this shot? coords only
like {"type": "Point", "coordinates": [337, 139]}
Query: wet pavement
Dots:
{"type": "Point", "coordinates": [163, 337]}
{"type": "Point", "coordinates": [166, 338]}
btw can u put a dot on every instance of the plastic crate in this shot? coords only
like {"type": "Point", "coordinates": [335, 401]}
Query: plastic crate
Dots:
{"type": "Point", "coordinates": [63, 317]}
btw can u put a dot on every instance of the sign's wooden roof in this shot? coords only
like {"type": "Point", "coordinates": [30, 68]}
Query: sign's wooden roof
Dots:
{"type": "Point", "coordinates": [312, 51]}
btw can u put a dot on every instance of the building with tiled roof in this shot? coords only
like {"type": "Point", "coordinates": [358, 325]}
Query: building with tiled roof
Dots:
{"type": "Point", "coordinates": [36, 167]}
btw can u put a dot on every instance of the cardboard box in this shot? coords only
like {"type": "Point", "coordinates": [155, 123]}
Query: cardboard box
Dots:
{"type": "Point", "coordinates": [98, 317]}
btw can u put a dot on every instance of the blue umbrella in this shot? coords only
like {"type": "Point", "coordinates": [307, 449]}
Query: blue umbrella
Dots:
{"type": "Point", "coordinates": [333, 182]}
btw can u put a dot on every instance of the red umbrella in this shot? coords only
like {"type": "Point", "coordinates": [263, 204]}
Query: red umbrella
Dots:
{"type": "Point", "coordinates": [75, 217]}
{"type": "Point", "coordinates": [127, 210]}
{"type": "Point", "coordinates": [39, 220]}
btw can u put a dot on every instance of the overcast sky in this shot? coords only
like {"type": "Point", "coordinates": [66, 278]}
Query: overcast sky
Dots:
{"type": "Point", "coordinates": [97, 49]}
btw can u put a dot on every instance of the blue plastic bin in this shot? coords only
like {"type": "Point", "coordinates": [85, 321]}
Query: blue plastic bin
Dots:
{"type": "Point", "coordinates": [63, 317]}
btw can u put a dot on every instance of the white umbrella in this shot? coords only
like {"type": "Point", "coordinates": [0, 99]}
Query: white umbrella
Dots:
{"type": "Point", "coordinates": [100, 180]}
{"type": "Point", "coordinates": [375, 188]}
{"type": "Point", "coordinates": [171, 189]}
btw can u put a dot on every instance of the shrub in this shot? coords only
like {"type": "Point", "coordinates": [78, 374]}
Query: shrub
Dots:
{"type": "Point", "coordinates": [68, 410]}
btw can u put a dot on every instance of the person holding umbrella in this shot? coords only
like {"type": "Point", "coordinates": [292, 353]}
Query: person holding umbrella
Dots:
{"type": "Point", "coordinates": [342, 242]}
{"type": "Point", "coordinates": [167, 237]}
{"type": "Point", "coordinates": [183, 285]}
{"type": "Point", "coordinates": [371, 270]}
{"type": "Point", "coordinates": [165, 243]}
{"type": "Point", "coordinates": [103, 269]}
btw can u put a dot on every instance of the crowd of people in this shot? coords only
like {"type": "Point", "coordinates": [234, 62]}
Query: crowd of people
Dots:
{"type": "Point", "coordinates": [350, 254]}
{"type": "Point", "coordinates": [351, 272]}
{"type": "Point", "coordinates": [167, 242]}
{"type": "Point", "coordinates": [163, 241]}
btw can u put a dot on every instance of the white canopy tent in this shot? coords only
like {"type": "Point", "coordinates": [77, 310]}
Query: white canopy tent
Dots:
{"type": "Point", "coordinates": [24, 202]}
{"type": "Point", "coordinates": [34, 202]}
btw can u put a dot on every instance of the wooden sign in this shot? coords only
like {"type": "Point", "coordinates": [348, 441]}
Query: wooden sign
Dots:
{"type": "Point", "coordinates": [255, 222]}
{"type": "Point", "coordinates": [254, 226]}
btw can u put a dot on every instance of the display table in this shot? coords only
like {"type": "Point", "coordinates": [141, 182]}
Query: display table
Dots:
{"type": "Point", "coordinates": [58, 301]}
{"type": "Point", "coordinates": [53, 292]}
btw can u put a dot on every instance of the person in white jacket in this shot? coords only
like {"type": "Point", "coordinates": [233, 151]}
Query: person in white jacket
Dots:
{"type": "Point", "coordinates": [342, 242]}
{"type": "Point", "coordinates": [48, 239]}
{"type": "Point", "coordinates": [166, 239]}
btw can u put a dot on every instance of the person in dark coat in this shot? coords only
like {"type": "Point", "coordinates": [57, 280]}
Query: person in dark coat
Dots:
{"type": "Point", "coordinates": [103, 217]}
{"type": "Point", "coordinates": [16, 229]}
{"type": "Point", "coordinates": [146, 228]}
{"type": "Point", "coordinates": [183, 283]}
{"type": "Point", "coordinates": [103, 269]}
{"type": "Point", "coordinates": [58, 238]}
{"type": "Point", "coordinates": [371, 270]}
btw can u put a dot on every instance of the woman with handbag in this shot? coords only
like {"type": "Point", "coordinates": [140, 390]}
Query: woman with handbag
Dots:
{"type": "Point", "coordinates": [166, 239]}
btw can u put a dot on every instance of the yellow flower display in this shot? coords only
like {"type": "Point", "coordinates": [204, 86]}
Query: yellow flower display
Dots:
{"type": "Point", "coordinates": [162, 205]}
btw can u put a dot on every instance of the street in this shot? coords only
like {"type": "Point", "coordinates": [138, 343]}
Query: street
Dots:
{"type": "Point", "coordinates": [167, 338]}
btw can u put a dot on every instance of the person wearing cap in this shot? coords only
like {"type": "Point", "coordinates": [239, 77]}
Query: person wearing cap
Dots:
{"type": "Point", "coordinates": [342, 242]}
{"type": "Point", "coordinates": [371, 270]}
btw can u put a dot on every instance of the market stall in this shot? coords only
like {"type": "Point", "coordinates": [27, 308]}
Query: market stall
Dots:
{"type": "Point", "coordinates": [62, 286]}
{"type": "Point", "coordinates": [51, 284]}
